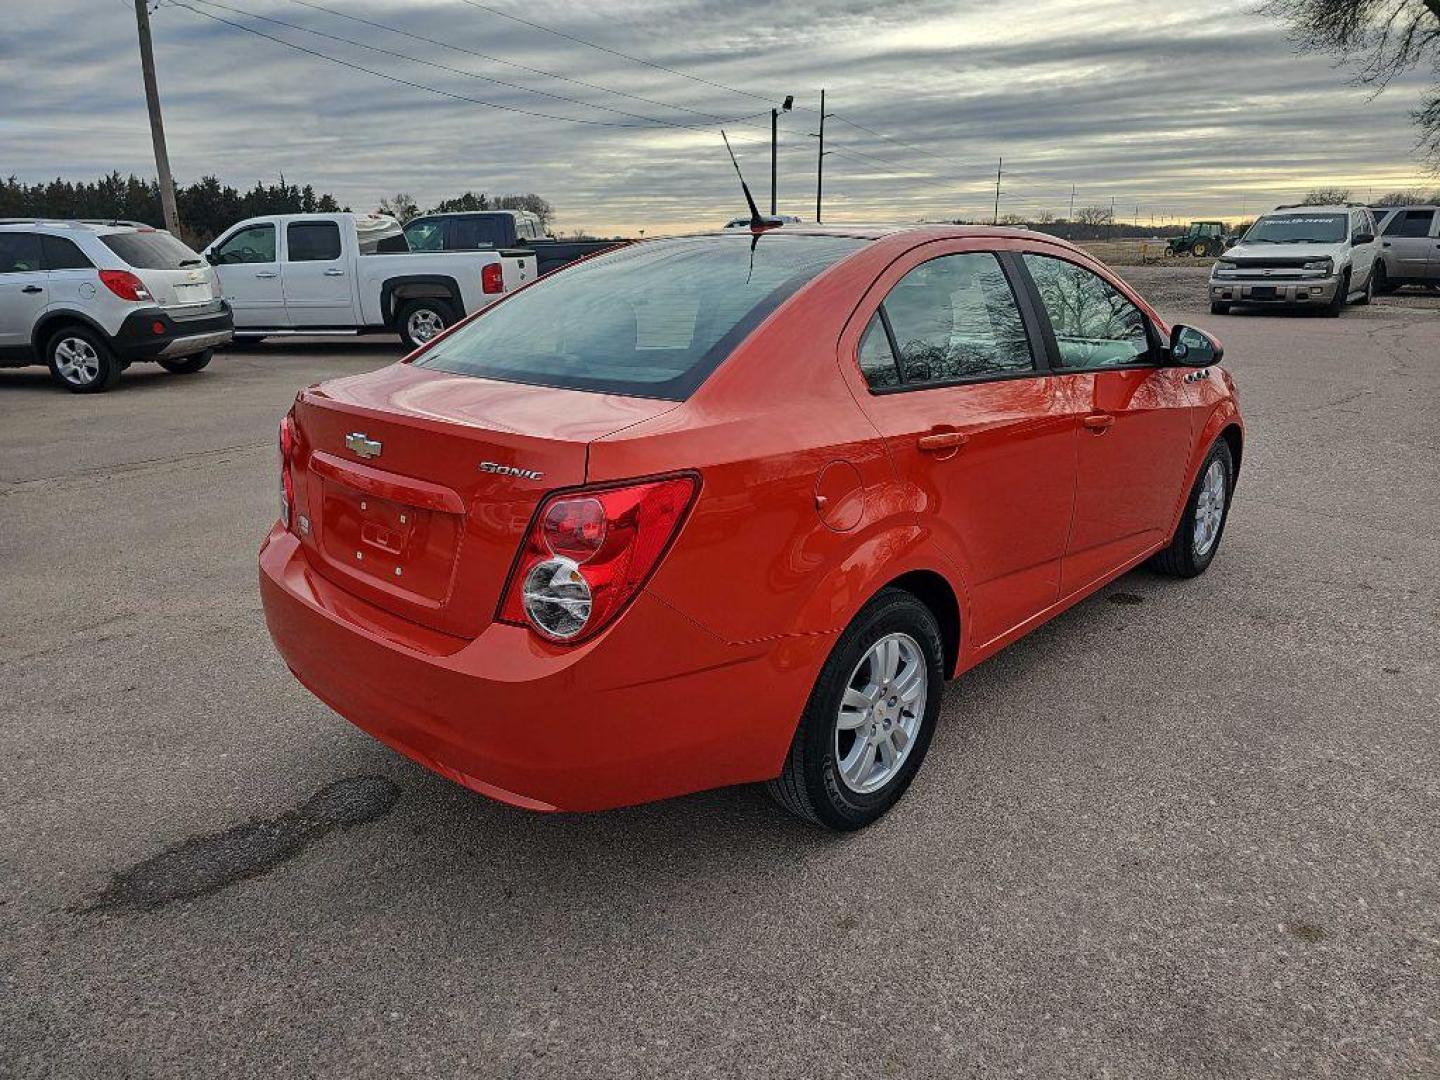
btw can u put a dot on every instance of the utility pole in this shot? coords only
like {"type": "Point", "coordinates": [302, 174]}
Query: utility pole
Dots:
{"type": "Point", "coordinates": [1000, 164]}
{"type": "Point", "coordinates": [820, 160]}
{"type": "Point", "coordinates": [775, 143]}
{"type": "Point", "coordinates": [1072, 203]}
{"type": "Point", "coordinates": [157, 128]}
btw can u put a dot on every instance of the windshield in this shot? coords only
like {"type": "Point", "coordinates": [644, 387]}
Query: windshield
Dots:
{"type": "Point", "coordinates": [151, 250]}
{"type": "Point", "coordinates": [650, 320]}
{"type": "Point", "coordinates": [1298, 229]}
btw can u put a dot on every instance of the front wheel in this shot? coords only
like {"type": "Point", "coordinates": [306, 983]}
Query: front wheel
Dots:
{"type": "Point", "coordinates": [1197, 537]}
{"type": "Point", "coordinates": [869, 719]}
{"type": "Point", "coordinates": [188, 365]}
{"type": "Point", "coordinates": [1382, 279]}
{"type": "Point", "coordinates": [421, 321]}
{"type": "Point", "coordinates": [1217, 308]}
{"type": "Point", "coordinates": [1337, 302]}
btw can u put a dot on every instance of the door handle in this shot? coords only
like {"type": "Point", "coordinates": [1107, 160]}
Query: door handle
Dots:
{"type": "Point", "coordinates": [32, 289]}
{"type": "Point", "coordinates": [267, 273]}
{"type": "Point", "coordinates": [1099, 422]}
{"type": "Point", "coordinates": [942, 440]}
{"type": "Point", "coordinates": [333, 272]}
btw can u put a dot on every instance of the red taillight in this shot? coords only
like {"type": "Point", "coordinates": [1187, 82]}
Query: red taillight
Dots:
{"type": "Point", "coordinates": [588, 552]}
{"type": "Point", "coordinates": [287, 486]}
{"type": "Point", "coordinates": [492, 278]}
{"type": "Point", "coordinates": [125, 285]}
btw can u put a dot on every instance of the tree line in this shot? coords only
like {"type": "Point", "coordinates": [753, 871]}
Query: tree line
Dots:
{"type": "Point", "coordinates": [207, 207]}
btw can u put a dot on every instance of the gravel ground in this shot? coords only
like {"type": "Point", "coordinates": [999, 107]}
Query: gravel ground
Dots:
{"type": "Point", "coordinates": [1188, 828]}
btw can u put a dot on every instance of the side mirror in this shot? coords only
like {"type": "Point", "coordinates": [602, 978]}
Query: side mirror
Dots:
{"type": "Point", "coordinates": [1362, 238]}
{"type": "Point", "coordinates": [1194, 348]}
{"type": "Point", "coordinates": [212, 258]}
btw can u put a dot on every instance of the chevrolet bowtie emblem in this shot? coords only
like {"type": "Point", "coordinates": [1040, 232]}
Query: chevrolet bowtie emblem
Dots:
{"type": "Point", "coordinates": [362, 444]}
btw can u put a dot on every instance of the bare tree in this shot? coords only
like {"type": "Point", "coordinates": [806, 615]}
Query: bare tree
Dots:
{"type": "Point", "coordinates": [1379, 39]}
{"type": "Point", "coordinates": [1326, 197]}
{"type": "Point", "coordinates": [1407, 198]}
{"type": "Point", "coordinates": [1093, 215]}
{"type": "Point", "coordinates": [401, 206]}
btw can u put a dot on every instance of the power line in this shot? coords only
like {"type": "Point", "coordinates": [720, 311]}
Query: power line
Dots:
{"type": "Point", "coordinates": [416, 85]}
{"type": "Point", "coordinates": [443, 67]}
{"type": "Point", "coordinates": [501, 60]}
{"type": "Point", "coordinates": [615, 52]}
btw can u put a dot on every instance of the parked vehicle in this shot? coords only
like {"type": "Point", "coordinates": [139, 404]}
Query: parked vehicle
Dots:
{"type": "Point", "coordinates": [90, 298]}
{"type": "Point", "coordinates": [502, 230]}
{"type": "Point", "coordinates": [1203, 239]}
{"type": "Point", "coordinates": [1409, 247]}
{"type": "Point", "coordinates": [731, 508]}
{"type": "Point", "coordinates": [310, 274]}
{"type": "Point", "coordinates": [1308, 256]}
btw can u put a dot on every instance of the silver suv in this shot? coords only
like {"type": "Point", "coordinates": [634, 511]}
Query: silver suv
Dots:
{"type": "Point", "coordinates": [1409, 247]}
{"type": "Point", "coordinates": [1302, 256]}
{"type": "Point", "coordinates": [89, 298]}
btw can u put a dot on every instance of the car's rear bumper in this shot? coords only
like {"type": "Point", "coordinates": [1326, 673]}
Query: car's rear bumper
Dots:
{"type": "Point", "coordinates": [1296, 291]}
{"type": "Point", "coordinates": [654, 706]}
{"type": "Point", "coordinates": [166, 332]}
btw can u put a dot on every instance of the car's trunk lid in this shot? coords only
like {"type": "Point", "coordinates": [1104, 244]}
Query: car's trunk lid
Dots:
{"type": "Point", "coordinates": [416, 486]}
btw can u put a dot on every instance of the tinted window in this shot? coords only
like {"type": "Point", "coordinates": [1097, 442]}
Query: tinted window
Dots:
{"type": "Point", "coordinates": [479, 232]}
{"type": "Point", "coordinates": [425, 235]}
{"type": "Point", "coordinates": [1095, 326]}
{"type": "Point", "coordinates": [151, 250]}
{"type": "Point", "coordinates": [63, 254]}
{"type": "Point", "coordinates": [955, 318]}
{"type": "Point", "coordinates": [1298, 229]}
{"type": "Point", "coordinates": [252, 244]}
{"type": "Point", "coordinates": [19, 252]}
{"type": "Point", "coordinates": [653, 319]}
{"type": "Point", "coordinates": [877, 360]}
{"type": "Point", "coordinates": [312, 241]}
{"type": "Point", "coordinates": [1410, 223]}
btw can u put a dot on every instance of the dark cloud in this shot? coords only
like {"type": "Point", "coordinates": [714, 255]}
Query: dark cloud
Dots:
{"type": "Point", "coordinates": [1180, 108]}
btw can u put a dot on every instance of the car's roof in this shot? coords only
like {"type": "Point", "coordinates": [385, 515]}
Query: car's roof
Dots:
{"type": "Point", "coordinates": [881, 230]}
{"type": "Point", "coordinates": [95, 226]}
{"type": "Point", "coordinates": [1290, 211]}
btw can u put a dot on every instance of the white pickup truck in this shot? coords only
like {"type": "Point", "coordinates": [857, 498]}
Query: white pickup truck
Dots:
{"type": "Point", "coordinates": [353, 274]}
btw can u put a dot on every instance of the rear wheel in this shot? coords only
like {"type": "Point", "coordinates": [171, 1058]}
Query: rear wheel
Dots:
{"type": "Point", "coordinates": [1197, 537]}
{"type": "Point", "coordinates": [869, 719]}
{"type": "Point", "coordinates": [423, 320]}
{"type": "Point", "coordinates": [188, 365]}
{"type": "Point", "coordinates": [1200, 249]}
{"type": "Point", "coordinates": [81, 361]}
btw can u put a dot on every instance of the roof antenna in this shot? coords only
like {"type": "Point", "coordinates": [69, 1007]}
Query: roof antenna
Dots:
{"type": "Point", "coordinates": [756, 221]}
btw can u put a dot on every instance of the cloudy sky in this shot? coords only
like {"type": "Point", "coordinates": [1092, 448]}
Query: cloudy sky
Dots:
{"type": "Point", "coordinates": [1178, 108]}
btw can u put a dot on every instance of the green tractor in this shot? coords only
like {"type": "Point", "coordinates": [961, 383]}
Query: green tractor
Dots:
{"type": "Point", "coordinates": [1203, 239]}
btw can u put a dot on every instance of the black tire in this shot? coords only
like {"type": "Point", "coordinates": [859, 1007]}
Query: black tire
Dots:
{"type": "Point", "coordinates": [1368, 293]}
{"type": "Point", "coordinates": [1337, 302]}
{"type": "Point", "coordinates": [1200, 249]}
{"type": "Point", "coordinates": [100, 369]}
{"type": "Point", "coordinates": [1217, 308]}
{"type": "Point", "coordinates": [188, 365]}
{"type": "Point", "coordinates": [419, 311]}
{"type": "Point", "coordinates": [1181, 558]}
{"type": "Point", "coordinates": [1382, 279]}
{"type": "Point", "coordinates": [809, 785]}
{"type": "Point", "coordinates": [247, 342]}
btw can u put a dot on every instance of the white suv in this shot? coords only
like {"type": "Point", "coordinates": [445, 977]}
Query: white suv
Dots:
{"type": "Point", "coordinates": [1300, 256]}
{"type": "Point", "coordinates": [90, 298]}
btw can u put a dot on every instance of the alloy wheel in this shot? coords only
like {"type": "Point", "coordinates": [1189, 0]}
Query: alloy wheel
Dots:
{"type": "Point", "coordinates": [77, 361]}
{"type": "Point", "coordinates": [423, 325]}
{"type": "Point", "coordinates": [1210, 508]}
{"type": "Point", "coordinates": [880, 713]}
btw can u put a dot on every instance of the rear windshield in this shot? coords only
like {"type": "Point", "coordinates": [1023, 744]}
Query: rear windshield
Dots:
{"type": "Point", "coordinates": [650, 320]}
{"type": "Point", "coordinates": [1299, 229]}
{"type": "Point", "coordinates": [151, 250]}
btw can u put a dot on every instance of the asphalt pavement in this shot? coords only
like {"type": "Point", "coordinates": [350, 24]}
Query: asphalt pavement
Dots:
{"type": "Point", "coordinates": [1188, 828]}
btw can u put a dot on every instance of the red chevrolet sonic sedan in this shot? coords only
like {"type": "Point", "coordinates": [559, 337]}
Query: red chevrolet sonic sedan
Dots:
{"type": "Point", "coordinates": [732, 508]}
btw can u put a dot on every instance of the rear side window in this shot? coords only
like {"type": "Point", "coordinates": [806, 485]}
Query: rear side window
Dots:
{"type": "Point", "coordinates": [152, 250]}
{"type": "Point", "coordinates": [425, 235]}
{"type": "Point", "coordinates": [1095, 326]}
{"type": "Point", "coordinates": [1411, 223]}
{"type": "Point", "coordinates": [955, 318]}
{"type": "Point", "coordinates": [877, 359]}
{"type": "Point", "coordinates": [312, 241]}
{"type": "Point", "coordinates": [650, 320]}
{"type": "Point", "coordinates": [62, 253]}
{"type": "Point", "coordinates": [471, 232]}
{"type": "Point", "coordinates": [252, 244]}
{"type": "Point", "coordinates": [19, 253]}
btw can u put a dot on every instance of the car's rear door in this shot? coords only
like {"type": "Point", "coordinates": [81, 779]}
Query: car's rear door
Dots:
{"type": "Point", "coordinates": [22, 288]}
{"type": "Point", "coordinates": [319, 290]}
{"type": "Point", "coordinates": [955, 381]}
{"type": "Point", "coordinates": [1136, 417]}
{"type": "Point", "coordinates": [1408, 238]}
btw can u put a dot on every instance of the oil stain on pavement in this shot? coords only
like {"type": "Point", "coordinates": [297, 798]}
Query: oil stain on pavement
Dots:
{"type": "Point", "coordinates": [208, 863]}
